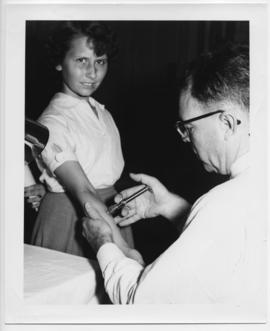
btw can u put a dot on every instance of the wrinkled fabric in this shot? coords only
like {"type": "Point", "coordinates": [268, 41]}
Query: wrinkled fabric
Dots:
{"type": "Point", "coordinates": [218, 259]}
{"type": "Point", "coordinates": [76, 134]}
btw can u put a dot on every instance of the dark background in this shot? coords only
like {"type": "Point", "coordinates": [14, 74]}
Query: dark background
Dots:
{"type": "Point", "coordinates": [141, 92]}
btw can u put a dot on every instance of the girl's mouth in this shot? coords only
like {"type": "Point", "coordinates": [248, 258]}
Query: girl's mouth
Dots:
{"type": "Point", "coordinates": [89, 84]}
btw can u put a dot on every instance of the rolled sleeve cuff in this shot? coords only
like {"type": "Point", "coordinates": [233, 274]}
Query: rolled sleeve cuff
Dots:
{"type": "Point", "coordinates": [61, 158]}
{"type": "Point", "coordinates": [107, 253]}
{"type": "Point", "coordinates": [53, 161]}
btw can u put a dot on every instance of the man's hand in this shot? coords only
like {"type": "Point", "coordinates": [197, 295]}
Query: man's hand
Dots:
{"type": "Point", "coordinates": [99, 228]}
{"type": "Point", "coordinates": [95, 229]}
{"type": "Point", "coordinates": [158, 201]}
{"type": "Point", "coordinates": [148, 205]}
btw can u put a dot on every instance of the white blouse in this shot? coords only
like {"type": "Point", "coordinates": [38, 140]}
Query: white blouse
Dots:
{"type": "Point", "coordinates": [77, 134]}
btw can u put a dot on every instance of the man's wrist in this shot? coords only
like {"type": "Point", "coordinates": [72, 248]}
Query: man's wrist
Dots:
{"type": "Point", "coordinates": [175, 207]}
{"type": "Point", "coordinates": [101, 240]}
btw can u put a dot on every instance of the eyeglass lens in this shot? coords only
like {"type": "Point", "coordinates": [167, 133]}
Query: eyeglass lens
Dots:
{"type": "Point", "coordinates": [182, 130]}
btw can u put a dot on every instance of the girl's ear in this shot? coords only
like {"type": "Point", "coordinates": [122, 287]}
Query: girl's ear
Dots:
{"type": "Point", "coordinates": [58, 67]}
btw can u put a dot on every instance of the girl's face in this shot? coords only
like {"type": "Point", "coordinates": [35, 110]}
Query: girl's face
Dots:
{"type": "Point", "coordinates": [82, 70]}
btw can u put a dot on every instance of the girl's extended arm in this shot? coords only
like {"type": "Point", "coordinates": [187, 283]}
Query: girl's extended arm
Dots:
{"type": "Point", "coordinates": [73, 178]}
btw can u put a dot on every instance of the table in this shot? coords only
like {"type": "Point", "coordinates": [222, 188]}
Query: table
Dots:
{"type": "Point", "coordinates": [52, 277]}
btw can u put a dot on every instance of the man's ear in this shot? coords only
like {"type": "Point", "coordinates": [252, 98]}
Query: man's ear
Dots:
{"type": "Point", "coordinates": [58, 67]}
{"type": "Point", "coordinates": [229, 124]}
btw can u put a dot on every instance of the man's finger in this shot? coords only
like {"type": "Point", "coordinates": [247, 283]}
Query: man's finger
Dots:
{"type": "Point", "coordinates": [128, 221]}
{"type": "Point", "coordinates": [126, 211]}
{"type": "Point", "coordinates": [119, 197]}
{"type": "Point", "coordinates": [126, 193]}
{"type": "Point", "coordinates": [145, 179]}
{"type": "Point", "coordinates": [91, 211]}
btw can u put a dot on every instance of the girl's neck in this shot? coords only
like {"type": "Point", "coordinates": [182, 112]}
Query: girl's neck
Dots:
{"type": "Point", "coordinates": [86, 99]}
{"type": "Point", "coordinates": [93, 108]}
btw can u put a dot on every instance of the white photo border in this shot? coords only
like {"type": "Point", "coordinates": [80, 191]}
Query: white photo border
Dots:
{"type": "Point", "coordinates": [13, 81]}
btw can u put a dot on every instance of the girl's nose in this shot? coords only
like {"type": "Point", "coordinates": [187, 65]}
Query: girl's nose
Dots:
{"type": "Point", "coordinates": [91, 71]}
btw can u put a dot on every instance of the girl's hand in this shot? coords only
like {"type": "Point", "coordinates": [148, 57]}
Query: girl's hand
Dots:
{"type": "Point", "coordinates": [96, 218]}
{"type": "Point", "coordinates": [149, 204]}
{"type": "Point", "coordinates": [34, 194]}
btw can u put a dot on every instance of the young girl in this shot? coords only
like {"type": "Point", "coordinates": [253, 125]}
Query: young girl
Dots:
{"type": "Point", "coordinates": [83, 157]}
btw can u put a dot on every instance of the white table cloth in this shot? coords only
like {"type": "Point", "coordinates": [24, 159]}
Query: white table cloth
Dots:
{"type": "Point", "coordinates": [52, 277]}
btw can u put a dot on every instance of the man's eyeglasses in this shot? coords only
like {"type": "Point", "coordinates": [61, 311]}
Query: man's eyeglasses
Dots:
{"type": "Point", "coordinates": [183, 131]}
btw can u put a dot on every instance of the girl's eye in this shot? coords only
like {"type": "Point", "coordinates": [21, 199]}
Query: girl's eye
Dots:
{"type": "Point", "coordinates": [81, 60]}
{"type": "Point", "coordinates": [101, 61]}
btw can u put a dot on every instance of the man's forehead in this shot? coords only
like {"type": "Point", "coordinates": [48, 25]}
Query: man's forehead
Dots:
{"type": "Point", "coordinates": [189, 106]}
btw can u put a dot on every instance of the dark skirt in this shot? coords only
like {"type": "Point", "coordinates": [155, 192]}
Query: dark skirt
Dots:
{"type": "Point", "coordinates": [58, 225]}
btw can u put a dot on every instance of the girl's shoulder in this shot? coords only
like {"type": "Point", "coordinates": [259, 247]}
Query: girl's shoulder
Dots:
{"type": "Point", "coordinates": [59, 104]}
{"type": "Point", "coordinates": [55, 111]}
{"type": "Point", "coordinates": [63, 101]}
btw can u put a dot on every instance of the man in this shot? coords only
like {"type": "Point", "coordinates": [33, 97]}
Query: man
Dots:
{"type": "Point", "coordinates": [217, 257]}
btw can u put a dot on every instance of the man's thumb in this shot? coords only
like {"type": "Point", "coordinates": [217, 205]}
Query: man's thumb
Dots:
{"type": "Point", "coordinates": [91, 211]}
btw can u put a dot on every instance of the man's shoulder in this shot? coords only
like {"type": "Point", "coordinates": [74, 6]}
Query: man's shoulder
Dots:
{"type": "Point", "coordinates": [225, 200]}
{"type": "Point", "coordinates": [236, 188]}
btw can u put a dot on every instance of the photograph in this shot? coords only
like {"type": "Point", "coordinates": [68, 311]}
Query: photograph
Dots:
{"type": "Point", "coordinates": [143, 167]}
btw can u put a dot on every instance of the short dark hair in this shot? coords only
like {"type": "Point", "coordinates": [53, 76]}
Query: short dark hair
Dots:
{"type": "Point", "coordinates": [101, 36]}
{"type": "Point", "coordinates": [220, 75]}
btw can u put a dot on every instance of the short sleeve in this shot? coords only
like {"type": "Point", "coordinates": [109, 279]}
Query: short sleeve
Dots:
{"type": "Point", "coordinates": [60, 147]}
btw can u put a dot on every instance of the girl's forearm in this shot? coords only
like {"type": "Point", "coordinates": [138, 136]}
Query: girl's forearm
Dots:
{"type": "Point", "coordinates": [76, 183]}
{"type": "Point", "coordinates": [97, 204]}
